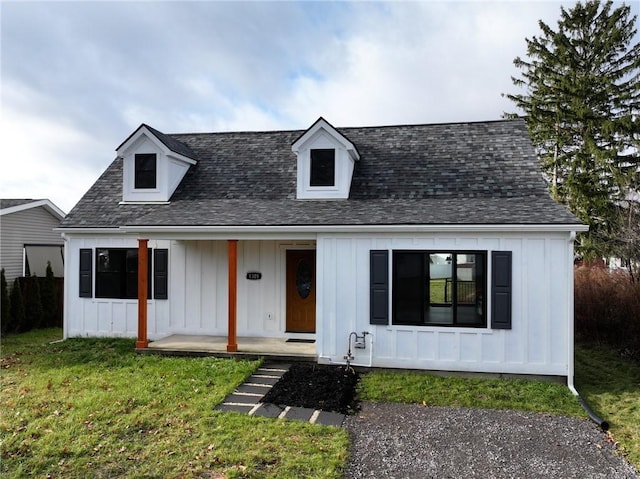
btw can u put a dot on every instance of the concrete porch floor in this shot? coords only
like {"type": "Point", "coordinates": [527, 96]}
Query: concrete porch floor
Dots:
{"type": "Point", "coordinates": [249, 347]}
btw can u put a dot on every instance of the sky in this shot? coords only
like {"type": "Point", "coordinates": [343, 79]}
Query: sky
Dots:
{"type": "Point", "coordinates": [78, 77]}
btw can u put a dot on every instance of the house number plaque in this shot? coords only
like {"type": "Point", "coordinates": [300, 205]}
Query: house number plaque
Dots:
{"type": "Point", "coordinates": [254, 275]}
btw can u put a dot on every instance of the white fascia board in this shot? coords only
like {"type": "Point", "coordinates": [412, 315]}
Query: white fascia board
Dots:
{"type": "Point", "coordinates": [47, 204]}
{"type": "Point", "coordinates": [177, 156]}
{"type": "Point", "coordinates": [310, 231]}
{"type": "Point", "coordinates": [141, 131]}
{"type": "Point", "coordinates": [144, 131]}
{"type": "Point", "coordinates": [89, 231]}
{"type": "Point", "coordinates": [322, 124]}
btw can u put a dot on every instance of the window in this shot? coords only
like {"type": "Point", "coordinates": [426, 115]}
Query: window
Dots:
{"type": "Point", "coordinates": [145, 171]}
{"type": "Point", "coordinates": [442, 288]}
{"type": "Point", "coordinates": [323, 167]}
{"type": "Point", "coordinates": [117, 273]}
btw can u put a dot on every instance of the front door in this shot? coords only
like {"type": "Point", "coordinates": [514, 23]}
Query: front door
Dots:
{"type": "Point", "coordinates": [301, 291]}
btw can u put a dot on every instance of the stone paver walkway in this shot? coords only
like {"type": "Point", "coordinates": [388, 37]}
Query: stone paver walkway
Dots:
{"type": "Point", "coordinates": [246, 399]}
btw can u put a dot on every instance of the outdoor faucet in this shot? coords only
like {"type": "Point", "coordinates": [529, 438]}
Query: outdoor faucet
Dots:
{"type": "Point", "coordinates": [359, 343]}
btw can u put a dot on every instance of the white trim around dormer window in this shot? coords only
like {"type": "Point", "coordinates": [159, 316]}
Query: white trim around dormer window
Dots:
{"type": "Point", "coordinates": [323, 136]}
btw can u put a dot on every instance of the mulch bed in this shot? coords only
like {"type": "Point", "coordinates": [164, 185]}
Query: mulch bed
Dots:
{"type": "Point", "coordinates": [316, 386]}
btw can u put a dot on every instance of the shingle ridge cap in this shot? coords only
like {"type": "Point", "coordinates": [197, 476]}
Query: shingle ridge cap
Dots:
{"type": "Point", "coordinates": [401, 125]}
{"type": "Point", "coordinates": [445, 123]}
{"type": "Point", "coordinates": [234, 132]}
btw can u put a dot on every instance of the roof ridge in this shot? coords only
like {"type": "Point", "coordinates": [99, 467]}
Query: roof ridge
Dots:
{"type": "Point", "coordinates": [296, 130]}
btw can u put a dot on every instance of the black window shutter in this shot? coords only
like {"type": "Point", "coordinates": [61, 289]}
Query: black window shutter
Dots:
{"type": "Point", "coordinates": [160, 273]}
{"type": "Point", "coordinates": [501, 289]}
{"type": "Point", "coordinates": [86, 273]}
{"type": "Point", "coordinates": [379, 281]}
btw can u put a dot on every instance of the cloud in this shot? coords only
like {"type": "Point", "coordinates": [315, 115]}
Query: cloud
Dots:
{"type": "Point", "coordinates": [419, 62]}
{"type": "Point", "coordinates": [44, 159]}
{"type": "Point", "coordinates": [79, 77]}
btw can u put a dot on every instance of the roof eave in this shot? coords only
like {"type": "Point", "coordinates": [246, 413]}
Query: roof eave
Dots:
{"type": "Point", "coordinates": [312, 231]}
{"type": "Point", "coordinates": [47, 204]}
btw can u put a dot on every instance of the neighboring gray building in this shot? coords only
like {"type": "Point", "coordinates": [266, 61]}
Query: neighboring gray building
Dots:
{"type": "Point", "coordinates": [27, 238]}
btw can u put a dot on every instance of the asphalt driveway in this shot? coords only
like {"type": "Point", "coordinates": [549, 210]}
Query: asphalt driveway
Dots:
{"type": "Point", "coordinates": [411, 441]}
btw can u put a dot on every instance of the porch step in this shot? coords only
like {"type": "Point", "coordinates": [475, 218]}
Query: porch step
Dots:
{"type": "Point", "coordinates": [246, 400]}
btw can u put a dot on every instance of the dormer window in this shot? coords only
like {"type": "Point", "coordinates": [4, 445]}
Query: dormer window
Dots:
{"type": "Point", "coordinates": [153, 165]}
{"type": "Point", "coordinates": [325, 160]}
{"type": "Point", "coordinates": [323, 167]}
{"type": "Point", "coordinates": [145, 171]}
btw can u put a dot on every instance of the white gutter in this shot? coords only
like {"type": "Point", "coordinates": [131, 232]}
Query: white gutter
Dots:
{"type": "Point", "coordinates": [310, 232]}
{"type": "Point", "coordinates": [85, 231]}
{"type": "Point", "coordinates": [400, 228]}
{"type": "Point", "coordinates": [356, 228]}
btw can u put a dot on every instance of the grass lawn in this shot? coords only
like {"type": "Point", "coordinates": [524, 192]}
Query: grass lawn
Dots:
{"type": "Point", "coordinates": [414, 387]}
{"type": "Point", "coordinates": [94, 408]}
{"type": "Point", "coordinates": [611, 386]}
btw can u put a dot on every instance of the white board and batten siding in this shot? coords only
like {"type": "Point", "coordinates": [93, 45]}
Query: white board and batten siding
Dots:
{"type": "Point", "coordinates": [103, 317]}
{"type": "Point", "coordinates": [537, 343]}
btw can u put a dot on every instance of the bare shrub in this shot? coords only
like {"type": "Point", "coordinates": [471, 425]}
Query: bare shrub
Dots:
{"type": "Point", "coordinates": [607, 309]}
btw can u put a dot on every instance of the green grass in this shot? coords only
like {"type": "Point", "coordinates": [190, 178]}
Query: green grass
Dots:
{"type": "Point", "coordinates": [94, 408]}
{"type": "Point", "coordinates": [436, 291]}
{"type": "Point", "coordinates": [611, 386]}
{"type": "Point", "coordinates": [430, 390]}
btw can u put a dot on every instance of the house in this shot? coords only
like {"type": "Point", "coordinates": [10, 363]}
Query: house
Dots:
{"type": "Point", "coordinates": [27, 238]}
{"type": "Point", "coordinates": [415, 246]}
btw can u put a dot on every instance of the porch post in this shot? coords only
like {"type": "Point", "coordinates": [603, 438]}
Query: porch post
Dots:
{"type": "Point", "coordinates": [232, 342]}
{"type": "Point", "coordinates": [143, 256]}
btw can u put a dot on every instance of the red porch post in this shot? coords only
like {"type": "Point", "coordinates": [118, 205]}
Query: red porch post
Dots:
{"type": "Point", "coordinates": [232, 341]}
{"type": "Point", "coordinates": [143, 255]}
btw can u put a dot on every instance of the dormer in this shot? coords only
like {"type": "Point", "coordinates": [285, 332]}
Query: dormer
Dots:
{"type": "Point", "coordinates": [325, 163]}
{"type": "Point", "coordinates": [153, 165]}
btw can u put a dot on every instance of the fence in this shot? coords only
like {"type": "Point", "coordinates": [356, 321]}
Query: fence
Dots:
{"type": "Point", "coordinates": [465, 292]}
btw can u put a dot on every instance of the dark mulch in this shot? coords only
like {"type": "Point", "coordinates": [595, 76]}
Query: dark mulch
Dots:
{"type": "Point", "coordinates": [316, 386]}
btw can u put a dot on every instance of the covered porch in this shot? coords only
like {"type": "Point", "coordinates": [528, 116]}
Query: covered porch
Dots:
{"type": "Point", "coordinates": [252, 302]}
{"type": "Point", "coordinates": [248, 347]}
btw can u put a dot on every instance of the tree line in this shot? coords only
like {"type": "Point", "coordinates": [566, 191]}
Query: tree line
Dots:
{"type": "Point", "coordinates": [581, 102]}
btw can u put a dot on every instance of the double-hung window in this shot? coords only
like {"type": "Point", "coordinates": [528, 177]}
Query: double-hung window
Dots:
{"type": "Point", "coordinates": [323, 167]}
{"type": "Point", "coordinates": [439, 288]}
{"type": "Point", "coordinates": [145, 171]}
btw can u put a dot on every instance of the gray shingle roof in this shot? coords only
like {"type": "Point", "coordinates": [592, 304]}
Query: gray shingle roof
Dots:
{"type": "Point", "coordinates": [173, 144]}
{"type": "Point", "coordinates": [466, 173]}
{"type": "Point", "coordinates": [11, 202]}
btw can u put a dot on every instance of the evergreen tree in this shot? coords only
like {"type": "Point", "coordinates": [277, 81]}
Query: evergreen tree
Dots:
{"type": "Point", "coordinates": [33, 306]}
{"type": "Point", "coordinates": [17, 308]}
{"type": "Point", "coordinates": [49, 298]}
{"type": "Point", "coordinates": [5, 315]}
{"type": "Point", "coordinates": [582, 105]}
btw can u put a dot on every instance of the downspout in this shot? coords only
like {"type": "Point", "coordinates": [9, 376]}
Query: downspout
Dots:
{"type": "Point", "coordinates": [65, 300]}
{"type": "Point", "coordinates": [604, 425]}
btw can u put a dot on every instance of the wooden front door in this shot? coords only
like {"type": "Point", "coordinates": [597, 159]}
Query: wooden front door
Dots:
{"type": "Point", "coordinates": [301, 291]}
